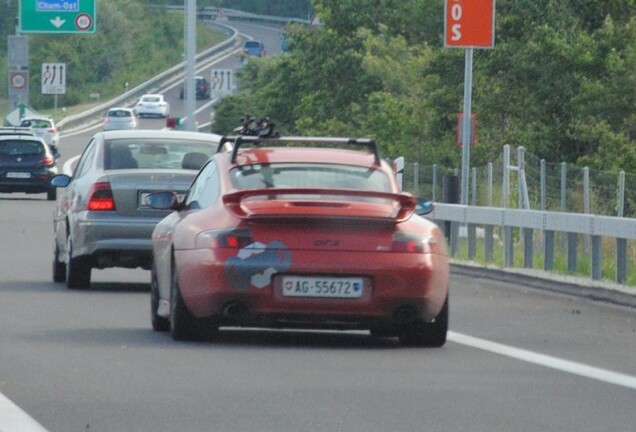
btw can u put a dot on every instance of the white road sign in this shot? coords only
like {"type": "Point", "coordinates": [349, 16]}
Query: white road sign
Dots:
{"type": "Point", "coordinates": [53, 78]}
{"type": "Point", "coordinates": [221, 82]}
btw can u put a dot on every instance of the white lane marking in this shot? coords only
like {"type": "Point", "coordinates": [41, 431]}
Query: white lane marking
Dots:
{"type": "Point", "coordinates": [598, 374]}
{"type": "Point", "coordinates": [12, 418]}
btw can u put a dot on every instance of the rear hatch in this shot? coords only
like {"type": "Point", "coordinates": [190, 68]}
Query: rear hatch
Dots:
{"type": "Point", "coordinates": [22, 155]}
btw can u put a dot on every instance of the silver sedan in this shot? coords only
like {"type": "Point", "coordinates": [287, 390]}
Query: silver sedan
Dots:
{"type": "Point", "coordinates": [102, 220]}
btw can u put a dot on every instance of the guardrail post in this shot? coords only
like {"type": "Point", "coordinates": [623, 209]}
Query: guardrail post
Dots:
{"type": "Point", "coordinates": [596, 258]}
{"type": "Point", "coordinates": [572, 251]}
{"type": "Point", "coordinates": [621, 260]}
{"type": "Point", "coordinates": [528, 247]}
{"type": "Point", "coordinates": [548, 250]}
{"type": "Point", "coordinates": [508, 246]}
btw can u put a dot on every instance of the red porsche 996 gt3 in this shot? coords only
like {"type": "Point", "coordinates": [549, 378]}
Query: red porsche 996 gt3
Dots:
{"type": "Point", "coordinates": [298, 232]}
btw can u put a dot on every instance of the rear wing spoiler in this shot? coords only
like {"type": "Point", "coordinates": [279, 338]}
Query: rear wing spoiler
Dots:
{"type": "Point", "coordinates": [405, 204]}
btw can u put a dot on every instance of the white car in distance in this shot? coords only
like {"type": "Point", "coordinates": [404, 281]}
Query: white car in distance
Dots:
{"type": "Point", "coordinates": [152, 105]}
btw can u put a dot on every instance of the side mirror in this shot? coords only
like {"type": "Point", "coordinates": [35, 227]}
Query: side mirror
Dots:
{"type": "Point", "coordinates": [165, 200]}
{"type": "Point", "coordinates": [423, 207]}
{"type": "Point", "coordinates": [60, 180]}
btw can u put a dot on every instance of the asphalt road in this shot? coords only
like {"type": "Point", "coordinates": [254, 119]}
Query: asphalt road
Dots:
{"type": "Point", "coordinates": [517, 359]}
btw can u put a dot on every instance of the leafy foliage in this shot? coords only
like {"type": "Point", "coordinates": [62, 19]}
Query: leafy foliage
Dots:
{"type": "Point", "coordinates": [561, 80]}
{"type": "Point", "coordinates": [124, 49]}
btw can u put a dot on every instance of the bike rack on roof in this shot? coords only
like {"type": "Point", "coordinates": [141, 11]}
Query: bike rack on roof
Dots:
{"type": "Point", "coordinates": [255, 141]}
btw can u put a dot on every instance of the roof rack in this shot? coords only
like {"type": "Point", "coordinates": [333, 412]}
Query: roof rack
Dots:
{"type": "Point", "coordinates": [255, 141]}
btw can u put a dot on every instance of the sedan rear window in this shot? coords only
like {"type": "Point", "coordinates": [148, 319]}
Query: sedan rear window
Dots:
{"type": "Point", "coordinates": [119, 113]}
{"type": "Point", "coordinates": [156, 154]}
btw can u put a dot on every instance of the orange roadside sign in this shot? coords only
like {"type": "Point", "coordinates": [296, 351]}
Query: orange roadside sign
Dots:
{"type": "Point", "coordinates": [469, 24]}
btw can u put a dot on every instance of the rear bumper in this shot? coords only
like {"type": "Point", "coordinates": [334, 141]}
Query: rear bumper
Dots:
{"type": "Point", "coordinates": [125, 242]}
{"type": "Point", "coordinates": [149, 111]}
{"type": "Point", "coordinates": [402, 287]}
{"type": "Point", "coordinates": [37, 183]}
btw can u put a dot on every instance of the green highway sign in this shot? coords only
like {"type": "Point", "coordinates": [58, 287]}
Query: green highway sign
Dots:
{"type": "Point", "coordinates": [57, 16]}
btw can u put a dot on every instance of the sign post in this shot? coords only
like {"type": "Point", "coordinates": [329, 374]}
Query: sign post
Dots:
{"type": "Point", "coordinates": [57, 16]}
{"type": "Point", "coordinates": [468, 24]}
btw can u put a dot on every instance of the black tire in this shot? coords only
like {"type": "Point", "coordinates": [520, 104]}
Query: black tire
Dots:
{"type": "Point", "coordinates": [159, 324]}
{"type": "Point", "coordinates": [183, 325]}
{"type": "Point", "coordinates": [51, 194]}
{"type": "Point", "coordinates": [59, 268]}
{"type": "Point", "coordinates": [78, 270]}
{"type": "Point", "coordinates": [421, 334]}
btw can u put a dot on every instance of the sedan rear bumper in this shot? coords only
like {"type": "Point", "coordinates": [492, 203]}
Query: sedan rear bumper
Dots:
{"type": "Point", "coordinates": [125, 242]}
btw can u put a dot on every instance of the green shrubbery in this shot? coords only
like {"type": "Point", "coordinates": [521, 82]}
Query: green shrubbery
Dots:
{"type": "Point", "coordinates": [124, 49]}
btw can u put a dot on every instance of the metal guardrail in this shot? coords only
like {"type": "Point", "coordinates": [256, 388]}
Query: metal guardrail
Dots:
{"type": "Point", "coordinates": [168, 76]}
{"type": "Point", "coordinates": [571, 225]}
{"type": "Point", "coordinates": [214, 12]}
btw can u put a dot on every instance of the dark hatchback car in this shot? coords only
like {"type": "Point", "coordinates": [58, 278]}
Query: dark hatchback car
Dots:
{"type": "Point", "coordinates": [202, 88]}
{"type": "Point", "coordinates": [26, 165]}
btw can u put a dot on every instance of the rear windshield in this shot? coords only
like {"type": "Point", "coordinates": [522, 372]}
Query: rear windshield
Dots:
{"type": "Point", "coordinates": [21, 148]}
{"type": "Point", "coordinates": [252, 44]}
{"type": "Point", "coordinates": [309, 175]}
{"type": "Point", "coordinates": [36, 123]}
{"type": "Point", "coordinates": [119, 113]}
{"type": "Point", "coordinates": [151, 99]}
{"type": "Point", "coordinates": [156, 153]}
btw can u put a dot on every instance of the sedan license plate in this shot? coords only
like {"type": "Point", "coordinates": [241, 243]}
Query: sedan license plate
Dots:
{"type": "Point", "coordinates": [144, 195]}
{"type": "Point", "coordinates": [20, 175]}
{"type": "Point", "coordinates": [322, 287]}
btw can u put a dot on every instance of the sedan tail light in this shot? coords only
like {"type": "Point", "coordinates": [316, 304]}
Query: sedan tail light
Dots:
{"type": "Point", "coordinates": [52, 131]}
{"type": "Point", "coordinates": [101, 197]}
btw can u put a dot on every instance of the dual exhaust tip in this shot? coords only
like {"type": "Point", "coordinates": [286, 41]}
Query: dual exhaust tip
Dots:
{"type": "Point", "coordinates": [402, 315]}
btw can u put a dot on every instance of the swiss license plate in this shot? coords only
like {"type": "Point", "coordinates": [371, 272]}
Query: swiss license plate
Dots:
{"type": "Point", "coordinates": [18, 175]}
{"type": "Point", "coordinates": [323, 287]}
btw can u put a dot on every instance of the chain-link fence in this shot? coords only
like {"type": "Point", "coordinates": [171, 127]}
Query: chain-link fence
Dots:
{"type": "Point", "coordinates": [551, 186]}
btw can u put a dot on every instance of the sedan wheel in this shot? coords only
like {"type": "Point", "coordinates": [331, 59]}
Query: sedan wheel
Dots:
{"type": "Point", "coordinates": [51, 194]}
{"type": "Point", "coordinates": [78, 270]}
{"type": "Point", "coordinates": [159, 324]}
{"type": "Point", "coordinates": [421, 334]}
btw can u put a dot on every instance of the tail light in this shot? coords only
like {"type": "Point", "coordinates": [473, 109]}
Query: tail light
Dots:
{"type": "Point", "coordinates": [101, 197]}
{"type": "Point", "coordinates": [416, 243]}
{"type": "Point", "coordinates": [47, 161]}
{"type": "Point", "coordinates": [52, 131]}
{"type": "Point", "coordinates": [234, 239]}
